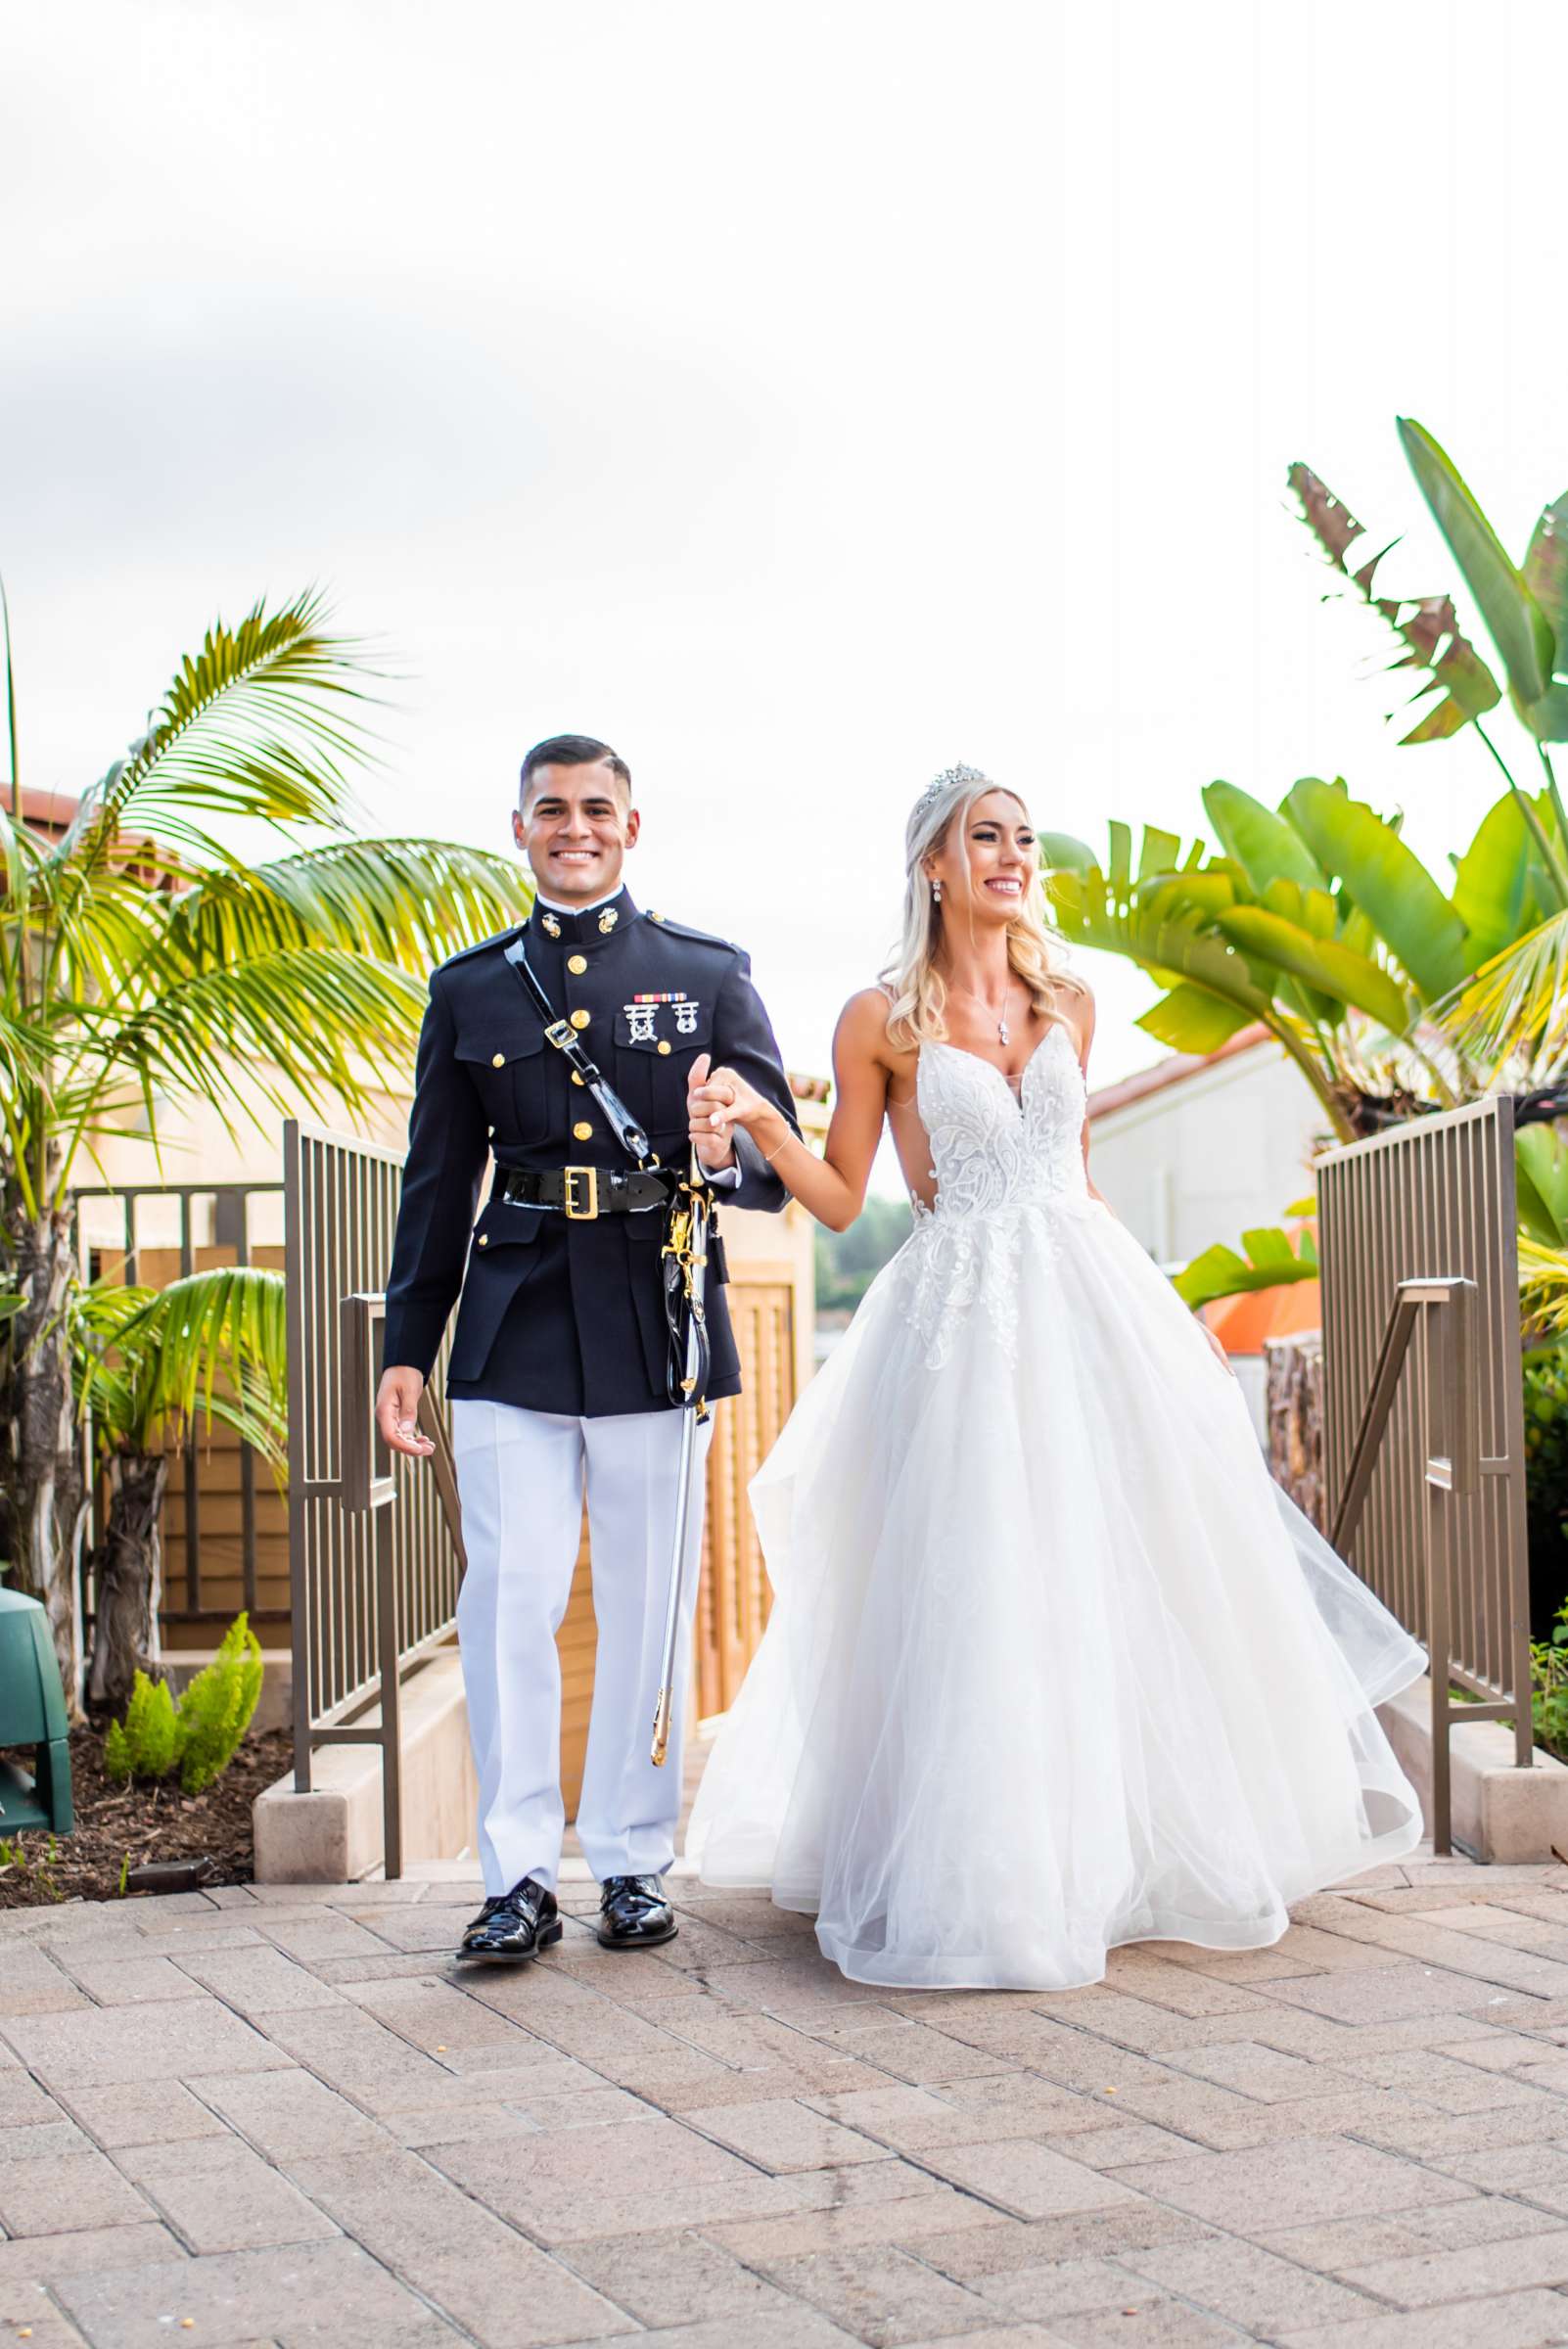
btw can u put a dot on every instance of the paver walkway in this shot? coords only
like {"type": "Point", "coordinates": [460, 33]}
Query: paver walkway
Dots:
{"type": "Point", "coordinates": [284, 2115]}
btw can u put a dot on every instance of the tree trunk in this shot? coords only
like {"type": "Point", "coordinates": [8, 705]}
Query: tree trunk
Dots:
{"type": "Point", "coordinates": [43, 1498]}
{"type": "Point", "coordinates": [128, 1571]}
{"type": "Point", "coordinates": [1296, 1421]}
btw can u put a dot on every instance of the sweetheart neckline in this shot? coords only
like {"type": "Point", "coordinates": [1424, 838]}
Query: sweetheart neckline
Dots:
{"type": "Point", "coordinates": [939, 1045]}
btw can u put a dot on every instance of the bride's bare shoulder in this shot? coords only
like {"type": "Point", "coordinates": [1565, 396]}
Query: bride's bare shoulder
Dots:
{"type": "Point", "coordinates": [861, 1034]}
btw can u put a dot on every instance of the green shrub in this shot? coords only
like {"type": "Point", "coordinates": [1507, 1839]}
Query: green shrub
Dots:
{"type": "Point", "coordinates": [1549, 1687]}
{"type": "Point", "coordinates": [202, 1731]}
{"type": "Point", "coordinates": [215, 1709]}
{"type": "Point", "coordinates": [145, 1745]}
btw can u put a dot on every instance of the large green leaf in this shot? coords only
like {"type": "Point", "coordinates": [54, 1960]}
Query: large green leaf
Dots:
{"type": "Point", "coordinates": [1515, 621]}
{"type": "Point", "coordinates": [1322, 962]}
{"type": "Point", "coordinates": [1388, 883]}
{"type": "Point", "coordinates": [1191, 1020]}
{"type": "Point", "coordinates": [405, 902]}
{"type": "Point", "coordinates": [1546, 575]}
{"type": "Point", "coordinates": [1427, 625]}
{"type": "Point", "coordinates": [151, 1361]}
{"type": "Point", "coordinates": [1494, 882]}
{"type": "Point", "coordinates": [1264, 845]}
{"type": "Point", "coordinates": [1270, 1262]}
{"type": "Point", "coordinates": [1540, 1153]}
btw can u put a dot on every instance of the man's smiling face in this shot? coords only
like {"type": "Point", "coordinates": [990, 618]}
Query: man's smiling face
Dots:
{"type": "Point", "coordinates": [575, 827]}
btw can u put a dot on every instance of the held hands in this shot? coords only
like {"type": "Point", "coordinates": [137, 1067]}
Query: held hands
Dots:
{"type": "Point", "coordinates": [717, 1101]}
{"type": "Point", "coordinates": [398, 1414]}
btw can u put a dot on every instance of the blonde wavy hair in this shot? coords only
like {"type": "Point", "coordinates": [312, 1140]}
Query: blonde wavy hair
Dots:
{"type": "Point", "coordinates": [911, 980]}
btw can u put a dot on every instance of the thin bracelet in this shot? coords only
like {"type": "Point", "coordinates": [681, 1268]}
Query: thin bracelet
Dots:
{"type": "Point", "coordinates": [770, 1155]}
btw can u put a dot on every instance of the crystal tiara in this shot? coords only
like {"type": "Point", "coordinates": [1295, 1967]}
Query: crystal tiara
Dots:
{"type": "Point", "coordinates": [949, 777]}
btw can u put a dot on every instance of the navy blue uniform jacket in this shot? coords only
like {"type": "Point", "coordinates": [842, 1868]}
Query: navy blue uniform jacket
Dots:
{"type": "Point", "coordinates": [556, 1315]}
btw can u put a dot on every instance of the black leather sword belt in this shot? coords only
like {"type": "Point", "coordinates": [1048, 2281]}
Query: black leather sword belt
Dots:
{"type": "Point", "coordinates": [584, 1193]}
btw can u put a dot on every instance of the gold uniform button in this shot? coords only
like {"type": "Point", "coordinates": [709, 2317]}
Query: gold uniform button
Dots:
{"type": "Point", "coordinates": [576, 1079]}
{"type": "Point", "coordinates": [497, 1060]}
{"type": "Point", "coordinates": [576, 964]}
{"type": "Point", "coordinates": [484, 1239]}
{"type": "Point", "coordinates": [582, 1132]}
{"type": "Point", "coordinates": [580, 1019]}
{"type": "Point", "coordinates": [664, 1046]}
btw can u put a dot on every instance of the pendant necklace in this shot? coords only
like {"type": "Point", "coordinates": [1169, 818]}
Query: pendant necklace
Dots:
{"type": "Point", "coordinates": [1004, 1034]}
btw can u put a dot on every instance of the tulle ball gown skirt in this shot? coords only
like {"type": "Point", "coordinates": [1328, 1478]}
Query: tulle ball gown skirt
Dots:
{"type": "Point", "coordinates": [1052, 1664]}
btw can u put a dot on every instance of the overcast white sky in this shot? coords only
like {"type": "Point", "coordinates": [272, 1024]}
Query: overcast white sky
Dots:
{"type": "Point", "coordinates": [801, 398]}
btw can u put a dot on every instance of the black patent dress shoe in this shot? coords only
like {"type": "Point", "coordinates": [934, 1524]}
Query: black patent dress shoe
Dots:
{"type": "Point", "coordinates": [514, 1925]}
{"type": "Point", "coordinates": [633, 1912]}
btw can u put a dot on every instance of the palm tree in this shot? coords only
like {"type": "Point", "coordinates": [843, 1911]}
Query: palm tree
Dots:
{"type": "Point", "coordinates": [148, 1363]}
{"type": "Point", "coordinates": [147, 965]}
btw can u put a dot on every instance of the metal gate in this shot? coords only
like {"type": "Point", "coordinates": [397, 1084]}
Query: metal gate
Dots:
{"type": "Point", "coordinates": [374, 1539]}
{"type": "Point", "coordinates": [1424, 1412]}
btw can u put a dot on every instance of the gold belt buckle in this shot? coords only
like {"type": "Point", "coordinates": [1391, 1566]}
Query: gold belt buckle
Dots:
{"type": "Point", "coordinates": [570, 1200]}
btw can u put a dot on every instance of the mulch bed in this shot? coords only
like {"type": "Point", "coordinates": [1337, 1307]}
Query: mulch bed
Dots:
{"type": "Point", "coordinates": [122, 1828]}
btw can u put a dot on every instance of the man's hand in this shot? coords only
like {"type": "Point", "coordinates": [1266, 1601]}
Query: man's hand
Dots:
{"type": "Point", "coordinates": [710, 1132]}
{"type": "Point", "coordinates": [397, 1413]}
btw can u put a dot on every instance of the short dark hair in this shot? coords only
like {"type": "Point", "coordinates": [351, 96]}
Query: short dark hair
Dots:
{"type": "Point", "coordinates": [572, 750]}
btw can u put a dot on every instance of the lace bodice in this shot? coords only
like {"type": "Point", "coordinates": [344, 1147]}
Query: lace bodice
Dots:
{"type": "Point", "coordinates": [990, 1151]}
{"type": "Point", "coordinates": [999, 1165]}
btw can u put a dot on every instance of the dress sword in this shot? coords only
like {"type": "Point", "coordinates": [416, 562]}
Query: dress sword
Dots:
{"type": "Point", "coordinates": [688, 1245]}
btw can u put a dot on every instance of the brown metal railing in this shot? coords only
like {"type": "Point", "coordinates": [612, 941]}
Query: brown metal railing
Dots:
{"type": "Point", "coordinates": [1424, 1444]}
{"type": "Point", "coordinates": [375, 1550]}
{"type": "Point", "coordinates": [136, 1255]}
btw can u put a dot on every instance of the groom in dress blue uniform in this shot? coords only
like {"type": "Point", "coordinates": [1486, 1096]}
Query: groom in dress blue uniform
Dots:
{"type": "Point", "coordinates": [557, 1374]}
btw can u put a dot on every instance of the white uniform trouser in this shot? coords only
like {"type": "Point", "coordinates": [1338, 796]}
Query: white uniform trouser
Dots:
{"type": "Point", "coordinates": [521, 1476]}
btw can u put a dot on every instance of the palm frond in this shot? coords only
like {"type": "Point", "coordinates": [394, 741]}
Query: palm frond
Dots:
{"type": "Point", "coordinates": [211, 1347]}
{"type": "Point", "coordinates": [261, 723]}
{"type": "Point", "coordinates": [1514, 1010]}
{"type": "Point", "coordinates": [311, 1023]}
{"type": "Point", "coordinates": [408, 902]}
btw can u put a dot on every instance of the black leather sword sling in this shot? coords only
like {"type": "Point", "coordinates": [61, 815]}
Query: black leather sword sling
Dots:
{"type": "Point", "coordinates": [584, 1193]}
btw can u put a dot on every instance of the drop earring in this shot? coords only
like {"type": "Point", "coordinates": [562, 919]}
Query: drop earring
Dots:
{"type": "Point", "coordinates": [936, 893]}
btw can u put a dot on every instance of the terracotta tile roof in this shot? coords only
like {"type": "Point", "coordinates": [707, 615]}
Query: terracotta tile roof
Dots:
{"type": "Point", "coordinates": [1176, 1067]}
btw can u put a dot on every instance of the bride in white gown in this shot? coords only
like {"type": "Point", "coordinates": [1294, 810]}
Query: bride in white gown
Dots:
{"type": "Point", "coordinates": [1052, 1664]}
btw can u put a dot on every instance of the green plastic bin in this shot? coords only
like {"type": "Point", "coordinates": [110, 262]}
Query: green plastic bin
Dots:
{"type": "Point", "coordinates": [32, 1712]}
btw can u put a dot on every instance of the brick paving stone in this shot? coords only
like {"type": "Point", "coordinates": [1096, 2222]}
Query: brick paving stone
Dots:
{"type": "Point", "coordinates": [479, 2272]}
{"type": "Point", "coordinates": [1452, 2085]}
{"type": "Point", "coordinates": [1434, 2136]}
{"type": "Point", "coordinates": [60, 2193]}
{"type": "Point", "coordinates": [219, 2195]}
{"type": "Point", "coordinates": [1150, 2321]}
{"type": "Point", "coordinates": [35, 2140]}
{"type": "Point", "coordinates": [31, 1983]}
{"type": "Point", "coordinates": [1515, 2320]}
{"type": "Point", "coordinates": [466, 2033]}
{"type": "Point", "coordinates": [112, 1978]}
{"type": "Point", "coordinates": [1256, 2289]}
{"type": "Point", "coordinates": [1149, 1975]}
{"type": "Point", "coordinates": [314, 1934]}
{"type": "Point", "coordinates": [22, 2102]}
{"type": "Point", "coordinates": [146, 2112]}
{"type": "Point", "coordinates": [1532, 2174]}
{"type": "Point", "coordinates": [258, 1981]}
{"type": "Point", "coordinates": [911, 2119]}
{"type": "Point", "coordinates": [1122, 2145]}
{"type": "Point", "coordinates": [881, 2296]}
{"type": "Point", "coordinates": [1058, 2287]}
{"type": "Point", "coordinates": [659, 2279]}
{"type": "Point", "coordinates": [1029, 2180]}
{"type": "Point", "coordinates": [788, 2328]}
{"type": "Point", "coordinates": [175, 2039]}
{"type": "Point", "coordinates": [309, 2294]}
{"type": "Point", "coordinates": [1333, 2246]}
{"type": "Point", "coordinates": [291, 2113]}
{"type": "Point", "coordinates": [784, 2134]}
{"type": "Point", "coordinates": [1268, 2074]}
{"type": "Point", "coordinates": [1512, 2264]}
{"type": "Point", "coordinates": [39, 2258]}
{"type": "Point", "coordinates": [1317, 2177]}
{"type": "Point", "coordinates": [1388, 1993]}
{"type": "Point", "coordinates": [350, 2050]}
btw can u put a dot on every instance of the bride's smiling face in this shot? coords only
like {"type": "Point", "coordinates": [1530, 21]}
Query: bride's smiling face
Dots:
{"type": "Point", "coordinates": [987, 860]}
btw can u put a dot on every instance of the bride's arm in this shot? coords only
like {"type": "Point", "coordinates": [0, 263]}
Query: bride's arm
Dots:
{"type": "Point", "coordinates": [1084, 1036]}
{"type": "Point", "coordinates": [831, 1187]}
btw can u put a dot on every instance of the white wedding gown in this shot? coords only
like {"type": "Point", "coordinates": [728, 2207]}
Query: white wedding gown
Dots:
{"type": "Point", "coordinates": [1052, 1664]}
